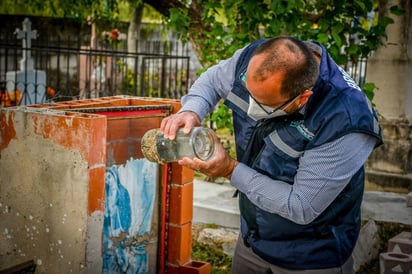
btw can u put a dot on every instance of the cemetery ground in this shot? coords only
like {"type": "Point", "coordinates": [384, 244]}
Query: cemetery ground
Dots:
{"type": "Point", "coordinates": [221, 262]}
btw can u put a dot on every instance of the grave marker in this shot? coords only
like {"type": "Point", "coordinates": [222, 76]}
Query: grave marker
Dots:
{"type": "Point", "coordinates": [29, 82]}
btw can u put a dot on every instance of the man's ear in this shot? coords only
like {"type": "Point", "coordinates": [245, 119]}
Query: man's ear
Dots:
{"type": "Point", "coordinates": [304, 97]}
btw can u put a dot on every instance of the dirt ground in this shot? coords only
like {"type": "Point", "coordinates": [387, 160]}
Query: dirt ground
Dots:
{"type": "Point", "coordinates": [221, 263]}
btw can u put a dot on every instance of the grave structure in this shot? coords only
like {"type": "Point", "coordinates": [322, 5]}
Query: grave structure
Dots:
{"type": "Point", "coordinates": [27, 82]}
{"type": "Point", "coordinates": [78, 197]}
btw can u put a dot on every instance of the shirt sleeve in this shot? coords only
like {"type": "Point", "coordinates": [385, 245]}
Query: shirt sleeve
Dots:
{"type": "Point", "coordinates": [322, 174]}
{"type": "Point", "coordinates": [213, 85]}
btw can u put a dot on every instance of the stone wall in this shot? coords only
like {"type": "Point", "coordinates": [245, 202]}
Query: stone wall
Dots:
{"type": "Point", "coordinates": [389, 167]}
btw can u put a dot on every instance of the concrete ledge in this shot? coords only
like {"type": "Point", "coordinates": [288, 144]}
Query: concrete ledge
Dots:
{"type": "Point", "coordinates": [212, 215]}
{"type": "Point", "coordinates": [386, 207]}
{"type": "Point", "coordinates": [214, 204]}
{"type": "Point", "coordinates": [385, 181]}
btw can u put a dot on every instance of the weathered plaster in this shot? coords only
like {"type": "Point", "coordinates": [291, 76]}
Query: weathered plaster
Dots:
{"type": "Point", "coordinates": [43, 202]}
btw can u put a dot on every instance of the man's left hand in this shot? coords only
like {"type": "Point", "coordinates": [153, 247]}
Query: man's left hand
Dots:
{"type": "Point", "coordinates": [220, 165]}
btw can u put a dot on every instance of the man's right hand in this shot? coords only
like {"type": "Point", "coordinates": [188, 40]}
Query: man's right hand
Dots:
{"type": "Point", "coordinates": [172, 123]}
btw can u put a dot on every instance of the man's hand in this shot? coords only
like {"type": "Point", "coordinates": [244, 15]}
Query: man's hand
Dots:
{"type": "Point", "coordinates": [172, 123]}
{"type": "Point", "coordinates": [221, 164]}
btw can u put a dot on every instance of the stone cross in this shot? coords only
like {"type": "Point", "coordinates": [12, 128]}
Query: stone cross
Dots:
{"type": "Point", "coordinates": [28, 82]}
{"type": "Point", "coordinates": [26, 35]}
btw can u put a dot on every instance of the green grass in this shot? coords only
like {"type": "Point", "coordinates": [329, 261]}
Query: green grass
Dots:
{"type": "Point", "coordinates": [213, 254]}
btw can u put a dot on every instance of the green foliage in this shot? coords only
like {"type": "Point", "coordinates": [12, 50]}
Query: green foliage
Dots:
{"type": "Point", "coordinates": [350, 30]}
{"type": "Point", "coordinates": [129, 84]}
{"type": "Point", "coordinates": [101, 11]}
{"type": "Point", "coordinates": [180, 20]}
{"type": "Point", "coordinates": [368, 89]}
{"type": "Point", "coordinates": [397, 10]}
{"type": "Point", "coordinates": [222, 118]}
{"type": "Point", "coordinates": [220, 262]}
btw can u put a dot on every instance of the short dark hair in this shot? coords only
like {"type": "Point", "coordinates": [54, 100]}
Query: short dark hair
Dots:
{"type": "Point", "coordinates": [292, 57]}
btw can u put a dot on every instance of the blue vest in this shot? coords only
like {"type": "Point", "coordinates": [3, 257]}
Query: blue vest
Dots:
{"type": "Point", "coordinates": [337, 107]}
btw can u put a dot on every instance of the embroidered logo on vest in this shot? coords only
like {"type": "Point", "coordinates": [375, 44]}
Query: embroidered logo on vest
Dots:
{"type": "Point", "coordinates": [306, 133]}
{"type": "Point", "coordinates": [348, 79]}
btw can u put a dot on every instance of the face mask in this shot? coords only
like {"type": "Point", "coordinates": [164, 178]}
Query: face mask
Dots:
{"type": "Point", "coordinates": [256, 112]}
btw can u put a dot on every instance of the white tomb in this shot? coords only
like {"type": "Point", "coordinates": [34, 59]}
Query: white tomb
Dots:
{"type": "Point", "coordinates": [30, 82]}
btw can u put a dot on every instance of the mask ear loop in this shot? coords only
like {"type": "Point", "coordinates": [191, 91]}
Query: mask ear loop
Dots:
{"type": "Point", "coordinates": [308, 90]}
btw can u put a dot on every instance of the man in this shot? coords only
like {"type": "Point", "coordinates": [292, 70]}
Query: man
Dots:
{"type": "Point", "coordinates": [303, 132]}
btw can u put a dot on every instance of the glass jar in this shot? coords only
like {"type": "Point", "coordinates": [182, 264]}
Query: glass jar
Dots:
{"type": "Point", "coordinates": [199, 143]}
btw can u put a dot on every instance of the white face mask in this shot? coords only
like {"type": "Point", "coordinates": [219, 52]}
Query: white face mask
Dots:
{"type": "Point", "coordinates": [256, 112]}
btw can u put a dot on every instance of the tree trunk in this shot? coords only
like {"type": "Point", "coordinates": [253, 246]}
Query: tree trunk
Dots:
{"type": "Point", "coordinates": [133, 32]}
{"type": "Point", "coordinates": [197, 26]}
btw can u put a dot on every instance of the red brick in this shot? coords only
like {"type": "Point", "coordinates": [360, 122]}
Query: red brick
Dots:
{"type": "Point", "coordinates": [181, 203]}
{"type": "Point", "coordinates": [391, 260]}
{"type": "Point", "coordinates": [118, 129]}
{"type": "Point", "coordinates": [401, 243]}
{"type": "Point", "coordinates": [139, 126]}
{"type": "Point", "coordinates": [179, 244]}
{"type": "Point", "coordinates": [195, 267]}
{"type": "Point", "coordinates": [181, 174]}
{"type": "Point", "coordinates": [173, 269]}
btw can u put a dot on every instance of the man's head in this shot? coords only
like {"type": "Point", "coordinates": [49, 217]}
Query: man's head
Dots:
{"type": "Point", "coordinates": [281, 71]}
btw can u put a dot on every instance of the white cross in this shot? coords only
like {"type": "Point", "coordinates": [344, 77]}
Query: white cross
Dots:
{"type": "Point", "coordinates": [26, 35]}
